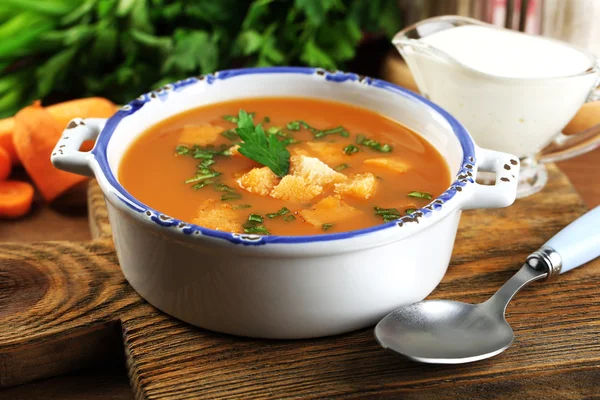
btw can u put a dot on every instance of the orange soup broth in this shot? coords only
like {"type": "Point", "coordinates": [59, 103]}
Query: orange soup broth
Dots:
{"type": "Point", "coordinates": [152, 172]}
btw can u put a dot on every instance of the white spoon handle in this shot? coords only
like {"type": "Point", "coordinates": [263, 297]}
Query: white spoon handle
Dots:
{"type": "Point", "coordinates": [578, 242]}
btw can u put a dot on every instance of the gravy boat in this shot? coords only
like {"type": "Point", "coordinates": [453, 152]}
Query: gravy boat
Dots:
{"type": "Point", "coordinates": [521, 116]}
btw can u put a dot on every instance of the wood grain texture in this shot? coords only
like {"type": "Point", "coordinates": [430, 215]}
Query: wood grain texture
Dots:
{"type": "Point", "coordinates": [72, 292]}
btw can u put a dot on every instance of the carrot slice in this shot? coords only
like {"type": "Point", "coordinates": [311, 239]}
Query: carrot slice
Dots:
{"type": "Point", "coordinates": [15, 198]}
{"type": "Point", "coordinates": [90, 107]}
{"type": "Point", "coordinates": [35, 135]}
{"type": "Point", "coordinates": [5, 164]}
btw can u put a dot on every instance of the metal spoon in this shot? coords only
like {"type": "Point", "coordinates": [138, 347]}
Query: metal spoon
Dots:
{"type": "Point", "coordinates": [450, 332]}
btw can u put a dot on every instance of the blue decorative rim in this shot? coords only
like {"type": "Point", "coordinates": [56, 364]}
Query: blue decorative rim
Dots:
{"type": "Point", "coordinates": [464, 175]}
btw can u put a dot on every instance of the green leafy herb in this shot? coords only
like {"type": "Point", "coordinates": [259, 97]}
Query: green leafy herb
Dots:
{"type": "Point", "coordinates": [420, 195]}
{"type": "Point", "coordinates": [230, 118]}
{"type": "Point", "coordinates": [293, 126]}
{"type": "Point", "coordinates": [241, 206]}
{"type": "Point", "coordinates": [266, 120]}
{"type": "Point", "coordinates": [375, 145]}
{"type": "Point", "coordinates": [221, 187]}
{"type": "Point", "coordinates": [350, 149]}
{"type": "Point", "coordinates": [410, 210]}
{"type": "Point", "coordinates": [332, 131]}
{"type": "Point", "coordinates": [203, 183]}
{"type": "Point", "coordinates": [204, 171]}
{"type": "Point", "coordinates": [341, 167]}
{"type": "Point", "coordinates": [290, 140]}
{"type": "Point", "coordinates": [279, 213]}
{"type": "Point", "coordinates": [255, 218]}
{"type": "Point", "coordinates": [230, 134]}
{"type": "Point", "coordinates": [290, 217]}
{"type": "Point", "coordinates": [201, 177]}
{"type": "Point", "coordinates": [254, 225]}
{"type": "Point", "coordinates": [326, 227]}
{"type": "Point", "coordinates": [388, 214]}
{"type": "Point", "coordinates": [182, 150]}
{"type": "Point", "coordinates": [134, 45]}
{"type": "Point", "coordinates": [273, 130]}
{"type": "Point", "coordinates": [257, 146]}
{"type": "Point", "coordinates": [230, 196]}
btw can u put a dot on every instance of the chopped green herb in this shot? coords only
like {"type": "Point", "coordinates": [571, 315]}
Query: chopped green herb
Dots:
{"type": "Point", "coordinates": [230, 118]}
{"type": "Point", "coordinates": [221, 187]}
{"type": "Point", "coordinates": [281, 212]}
{"type": "Point", "coordinates": [182, 150]}
{"type": "Point", "coordinates": [410, 210]}
{"type": "Point", "coordinates": [241, 206]}
{"type": "Point", "coordinates": [230, 196]}
{"type": "Point", "coordinates": [290, 217]}
{"type": "Point", "coordinates": [273, 130]}
{"type": "Point", "coordinates": [332, 131]}
{"type": "Point", "coordinates": [375, 145]}
{"type": "Point", "coordinates": [199, 178]}
{"type": "Point", "coordinates": [318, 133]}
{"type": "Point", "coordinates": [230, 134]}
{"type": "Point", "coordinates": [257, 146]}
{"type": "Point", "coordinates": [293, 126]}
{"type": "Point", "coordinates": [420, 195]}
{"type": "Point", "coordinates": [256, 229]}
{"type": "Point", "coordinates": [207, 162]}
{"type": "Point", "coordinates": [290, 140]}
{"type": "Point", "coordinates": [255, 218]}
{"type": "Point", "coordinates": [266, 120]}
{"type": "Point", "coordinates": [254, 225]}
{"type": "Point", "coordinates": [350, 149]}
{"type": "Point", "coordinates": [388, 214]}
{"type": "Point", "coordinates": [341, 167]}
{"type": "Point", "coordinates": [202, 184]}
{"type": "Point", "coordinates": [326, 226]}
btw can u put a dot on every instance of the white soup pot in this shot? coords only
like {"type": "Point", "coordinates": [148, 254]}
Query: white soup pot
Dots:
{"type": "Point", "coordinates": [285, 286]}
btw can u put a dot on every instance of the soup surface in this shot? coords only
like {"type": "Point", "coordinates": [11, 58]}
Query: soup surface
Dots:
{"type": "Point", "coordinates": [303, 167]}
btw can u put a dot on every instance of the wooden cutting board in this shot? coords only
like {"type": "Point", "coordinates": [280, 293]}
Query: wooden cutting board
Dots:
{"type": "Point", "coordinates": [66, 305]}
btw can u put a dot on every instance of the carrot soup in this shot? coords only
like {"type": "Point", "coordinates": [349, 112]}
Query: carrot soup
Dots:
{"type": "Point", "coordinates": [283, 166]}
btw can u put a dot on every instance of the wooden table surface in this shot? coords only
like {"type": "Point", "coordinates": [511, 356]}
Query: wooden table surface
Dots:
{"type": "Point", "coordinates": [110, 381]}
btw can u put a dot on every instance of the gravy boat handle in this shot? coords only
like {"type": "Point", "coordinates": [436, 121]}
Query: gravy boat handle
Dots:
{"type": "Point", "coordinates": [504, 191]}
{"type": "Point", "coordinates": [66, 154]}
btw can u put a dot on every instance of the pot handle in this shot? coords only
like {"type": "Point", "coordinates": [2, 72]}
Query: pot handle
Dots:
{"type": "Point", "coordinates": [504, 191]}
{"type": "Point", "coordinates": [66, 155]}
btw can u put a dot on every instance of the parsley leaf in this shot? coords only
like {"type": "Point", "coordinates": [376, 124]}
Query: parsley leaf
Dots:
{"type": "Point", "coordinates": [257, 146]}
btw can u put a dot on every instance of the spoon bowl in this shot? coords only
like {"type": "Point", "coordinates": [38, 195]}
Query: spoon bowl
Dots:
{"type": "Point", "coordinates": [445, 332]}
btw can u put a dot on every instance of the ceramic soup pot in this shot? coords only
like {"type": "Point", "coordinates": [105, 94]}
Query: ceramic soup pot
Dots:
{"type": "Point", "coordinates": [285, 286]}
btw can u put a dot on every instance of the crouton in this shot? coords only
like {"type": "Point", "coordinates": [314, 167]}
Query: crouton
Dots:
{"type": "Point", "coordinates": [328, 211]}
{"type": "Point", "coordinates": [388, 163]}
{"type": "Point", "coordinates": [258, 180]}
{"type": "Point", "coordinates": [217, 215]}
{"type": "Point", "coordinates": [296, 188]}
{"type": "Point", "coordinates": [298, 151]}
{"type": "Point", "coordinates": [361, 186]}
{"type": "Point", "coordinates": [314, 170]}
{"type": "Point", "coordinates": [199, 134]}
{"type": "Point", "coordinates": [331, 153]}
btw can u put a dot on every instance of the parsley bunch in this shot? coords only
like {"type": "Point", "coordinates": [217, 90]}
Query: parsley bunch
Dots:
{"type": "Point", "coordinates": [63, 49]}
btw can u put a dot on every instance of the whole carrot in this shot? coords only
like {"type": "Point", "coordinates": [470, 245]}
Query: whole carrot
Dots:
{"type": "Point", "coordinates": [36, 132]}
{"type": "Point", "coordinates": [91, 107]}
